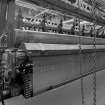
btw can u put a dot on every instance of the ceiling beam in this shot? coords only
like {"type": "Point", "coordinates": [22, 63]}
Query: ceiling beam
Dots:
{"type": "Point", "coordinates": [68, 21]}
{"type": "Point", "coordinates": [28, 5]}
{"type": "Point", "coordinates": [41, 13]}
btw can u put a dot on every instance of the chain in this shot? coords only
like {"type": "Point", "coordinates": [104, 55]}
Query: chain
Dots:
{"type": "Point", "coordinates": [94, 89]}
{"type": "Point", "coordinates": [94, 74]}
{"type": "Point", "coordinates": [94, 58]}
{"type": "Point", "coordinates": [82, 79]}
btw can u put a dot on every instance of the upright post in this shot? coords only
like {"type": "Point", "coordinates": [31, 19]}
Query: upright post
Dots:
{"type": "Point", "coordinates": [3, 12]}
{"type": "Point", "coordinates": [11, 23]}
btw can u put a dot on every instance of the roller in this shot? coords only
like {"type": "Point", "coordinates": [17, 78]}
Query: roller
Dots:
{"type": "Point", "coordinates": [54, 38]}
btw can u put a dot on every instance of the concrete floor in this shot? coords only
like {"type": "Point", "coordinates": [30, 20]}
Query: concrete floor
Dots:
{"type": "Point", "coordinates": [69, 94]}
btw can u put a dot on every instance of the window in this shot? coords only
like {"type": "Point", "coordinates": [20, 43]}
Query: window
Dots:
{"type": "Point", "coordinates": [55, 24]}
{"type": "Point", "coordinates": [39, 20]}
{"type": "Point", "coordinates": [88, 8]}
{"type": "Point", "coordinates": [84, 6]}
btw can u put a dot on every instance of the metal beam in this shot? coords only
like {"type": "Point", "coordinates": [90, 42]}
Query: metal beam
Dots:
{"type": "Point", "coordinates": [69, 9]}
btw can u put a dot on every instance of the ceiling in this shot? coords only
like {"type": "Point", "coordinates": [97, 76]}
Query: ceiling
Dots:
{"type": "Point", "coordinates": [30, 10]}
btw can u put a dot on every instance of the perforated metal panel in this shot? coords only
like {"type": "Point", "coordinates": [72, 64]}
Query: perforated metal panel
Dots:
{"type": "Point", "coordinates": [50, 71]}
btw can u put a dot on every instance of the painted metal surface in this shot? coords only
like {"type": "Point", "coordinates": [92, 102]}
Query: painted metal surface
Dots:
{"type": "Point", "coordinates": [53, 38]}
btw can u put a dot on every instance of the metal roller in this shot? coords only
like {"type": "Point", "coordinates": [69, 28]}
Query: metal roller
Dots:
{"type": "Point", "coordinates": [53, 38]}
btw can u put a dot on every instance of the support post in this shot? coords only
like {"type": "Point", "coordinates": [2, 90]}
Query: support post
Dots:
{"type": "Point", "coordinates": [11, 23]}
{"type": "Point", "coordinates": [3, 12]}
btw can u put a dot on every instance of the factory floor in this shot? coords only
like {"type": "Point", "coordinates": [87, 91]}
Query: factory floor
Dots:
{"type": "Point", "coordinates": [69, 94]}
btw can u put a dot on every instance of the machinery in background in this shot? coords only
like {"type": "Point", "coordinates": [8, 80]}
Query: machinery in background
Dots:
{"type": "Point", "coordinates": [45, 25]}
{"type": "Point", "coordinates": [34, 23]}
{"type": "Point", "coordinates": [17, 67]}
{"type": "Point", "coordinates": [15, 78]}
